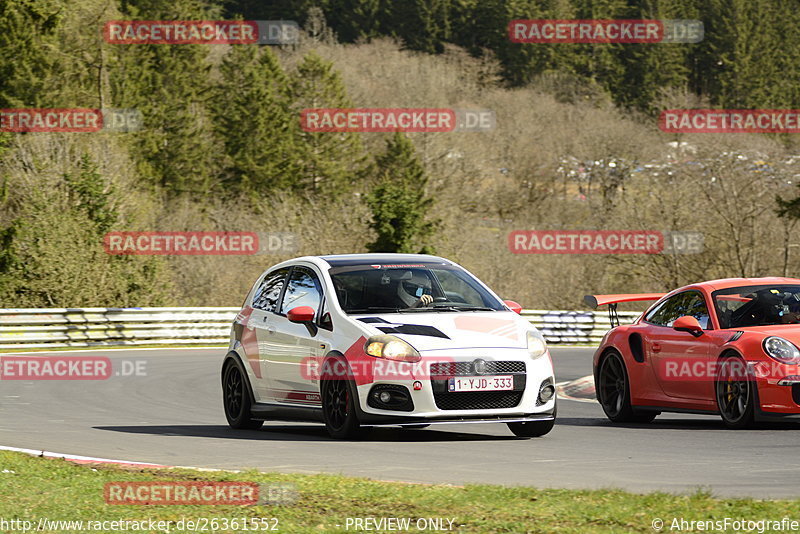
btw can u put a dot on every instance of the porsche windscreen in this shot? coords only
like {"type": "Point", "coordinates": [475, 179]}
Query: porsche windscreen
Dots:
{"type": "Point", "coordinates": [743, 306]}
{"type": "Point", "coordinates": [431, 288]}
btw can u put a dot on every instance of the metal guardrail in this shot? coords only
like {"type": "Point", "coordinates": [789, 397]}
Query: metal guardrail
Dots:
{"type": "Point", "coordinates": [85, 327]}
{"type": "Point", "coordinates": [574, 327]}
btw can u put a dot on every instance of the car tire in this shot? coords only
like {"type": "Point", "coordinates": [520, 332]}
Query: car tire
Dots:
{"type": "Point", "coordinates": [236, 397]}
{"type": "Point", "coordinates": [533, 429]}
{"type": "Point", "coordinates": [736, 399]}
{"type": "Point", "coordinates": [614, 392]}
{"type": "Point", "coordinates": [339, 397]}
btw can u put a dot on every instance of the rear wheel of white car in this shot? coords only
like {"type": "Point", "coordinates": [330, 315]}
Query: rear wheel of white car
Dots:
{"type": "Point", "coordinates": [339, 401]}
{"type": "Point", "coordinates": [236, 398]}
{"type": "Point", "coordinates": [533, 429]}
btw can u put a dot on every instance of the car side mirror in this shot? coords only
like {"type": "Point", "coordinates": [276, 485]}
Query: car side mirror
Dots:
{"type": "Point", "coordinates": [301, 314]}
{"type": "Point", "coordinates": [513, 306]}
{"type": "Point", "coordinates": [687, 323]}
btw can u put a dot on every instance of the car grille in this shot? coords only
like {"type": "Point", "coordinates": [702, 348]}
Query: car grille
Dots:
{"type": "Point", "coordinates": [477, 400]}
{"type": "Point", "coordinates": [448, 369]}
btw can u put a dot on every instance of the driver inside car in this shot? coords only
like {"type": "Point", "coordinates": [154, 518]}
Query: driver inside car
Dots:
{"type": "Point", "coordinates": [414, 290]}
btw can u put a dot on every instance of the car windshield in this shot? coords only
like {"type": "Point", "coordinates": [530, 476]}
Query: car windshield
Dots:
{"type": "Point", "coordinates": [757, 305]}
{"type": "Point", "coordinates": [406, 288]}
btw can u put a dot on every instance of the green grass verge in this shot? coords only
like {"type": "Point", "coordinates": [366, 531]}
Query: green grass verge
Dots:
{"type": "Point", "coordinates": [33, 488]}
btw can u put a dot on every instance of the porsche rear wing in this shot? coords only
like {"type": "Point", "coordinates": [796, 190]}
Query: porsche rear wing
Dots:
{"type": "Point", "coordinates": [595, 301]}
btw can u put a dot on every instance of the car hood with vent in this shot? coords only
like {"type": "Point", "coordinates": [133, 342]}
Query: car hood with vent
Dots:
{"type": "Point", "coordinates": [452, 330]}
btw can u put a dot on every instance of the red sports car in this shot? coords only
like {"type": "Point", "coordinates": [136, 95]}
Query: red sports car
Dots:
{"type": "Point", "coordinates": [727, 347]}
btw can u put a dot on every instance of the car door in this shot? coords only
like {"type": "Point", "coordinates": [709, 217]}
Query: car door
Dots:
{"type": "Point", "coordinates": [681, 361]}
{"type": "Point", "coordinates": [292, 346]}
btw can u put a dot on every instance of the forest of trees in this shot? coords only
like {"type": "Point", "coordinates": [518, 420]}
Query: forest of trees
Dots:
{"type": "Point", "coordinates": [222, 146]}
{"type": "Point", "coordinates": [748, 58]}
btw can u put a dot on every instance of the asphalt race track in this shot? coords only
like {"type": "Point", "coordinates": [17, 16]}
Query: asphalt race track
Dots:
{"type": "Point", "coordinates": [173, 416]}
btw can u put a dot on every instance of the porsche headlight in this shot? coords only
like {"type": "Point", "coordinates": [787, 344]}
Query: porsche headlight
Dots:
{"type": "Point", "coordinates": [781, 350]}
{"type": "Point", "coordinates": [391, 348]}
{"type": "Point", "coordinates": [536, 344]}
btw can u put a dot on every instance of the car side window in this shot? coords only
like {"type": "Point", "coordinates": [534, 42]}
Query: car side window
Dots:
{"type": "Point", "coordinates": [266, 296]}
{"type": "Point", "coordinates": [657, 315]}
{"type": "Point", "coordinates": [687, 303]}
{"type": "Point", "coordinates": [695, 306]}
{"type": "Point", "coordinates": [303, 289]}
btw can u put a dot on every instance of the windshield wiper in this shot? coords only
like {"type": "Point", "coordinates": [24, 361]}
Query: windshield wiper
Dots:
{"type": "Point", "coordinates": [446, 308]}
{"type": "Point", "coordinates": [431, 309]}
{"type": "Point", "coordinates": [372, 309]}
{"type": "Point", "coordinates": [464, 308]}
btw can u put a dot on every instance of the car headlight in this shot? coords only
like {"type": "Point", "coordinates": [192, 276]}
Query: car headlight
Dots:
{"type": "Point", "coordinates": [536, 344]}
{"type": "Point", "coordinates": [391, 348]}
{"type": "Point", "coordinates": [781, 349]}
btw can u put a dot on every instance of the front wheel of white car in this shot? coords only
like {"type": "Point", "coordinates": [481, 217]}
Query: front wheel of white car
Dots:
{"type": "Point", "coordinates": [533, 429]}
{"type": "Point", "coordinates": [339, 402]}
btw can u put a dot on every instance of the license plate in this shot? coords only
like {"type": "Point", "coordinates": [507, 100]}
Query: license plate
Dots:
{"type": "Point", "coordinates": [481, 383]}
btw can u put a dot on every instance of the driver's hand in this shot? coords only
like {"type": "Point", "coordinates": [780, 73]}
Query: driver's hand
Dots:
{"type": "Point", "coordinates": [425, 300]}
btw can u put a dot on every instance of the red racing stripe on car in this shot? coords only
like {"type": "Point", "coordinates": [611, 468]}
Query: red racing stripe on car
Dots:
{"type": "Point", "coordinates": [249, 340]}
{"type": "Point", "coordinates": [360, 360]}
{"type": "Point", "coordinates": [486, 325]}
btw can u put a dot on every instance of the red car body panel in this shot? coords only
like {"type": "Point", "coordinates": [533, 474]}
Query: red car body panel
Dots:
{"type": "Point", "coordinates": [647, 348]}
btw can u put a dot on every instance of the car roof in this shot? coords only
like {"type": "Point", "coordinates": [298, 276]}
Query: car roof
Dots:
{"type": "Point", "coordinates": [342, 260]}
{"type": "Point", "coordinates": [725, 283]}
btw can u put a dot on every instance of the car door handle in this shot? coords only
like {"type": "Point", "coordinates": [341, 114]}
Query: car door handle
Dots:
{"type": "Point", "coordinates": [656, 347]}
{"type": "Point", "coordinates": [270, 330]}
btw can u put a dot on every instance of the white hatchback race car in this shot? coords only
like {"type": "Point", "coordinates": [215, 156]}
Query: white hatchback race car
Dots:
{"type": "Point", "coordinates": [363, 340]}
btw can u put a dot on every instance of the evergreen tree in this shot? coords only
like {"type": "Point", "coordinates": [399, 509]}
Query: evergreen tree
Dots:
{"type": "Point", "coordinates": [253, 116]}
{"type": "Point", "coordinates": [650, 69]}
{"type": "Point", "coordinates": [332, 162]}
{"type": "Point", "coordinates": [91, 194]}
{"type": "Point", "coordinates": [169, 85]}
{"type": "Point", "coordinates": [750, 56]}
{"type": "Point", "coordinates": [27, 29]}
{"type": "Point", "coordinates": [422, 24]}
{"type": "Point", "coordinates": [51, 252]}
{"type": "Point", "coordinates": [398, 202]}
{"type": "Point", "coordinates": [354, 20]}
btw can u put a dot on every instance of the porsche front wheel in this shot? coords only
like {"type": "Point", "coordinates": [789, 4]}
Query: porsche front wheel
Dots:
{"type": "Point", "coordinates": [735, 395]}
